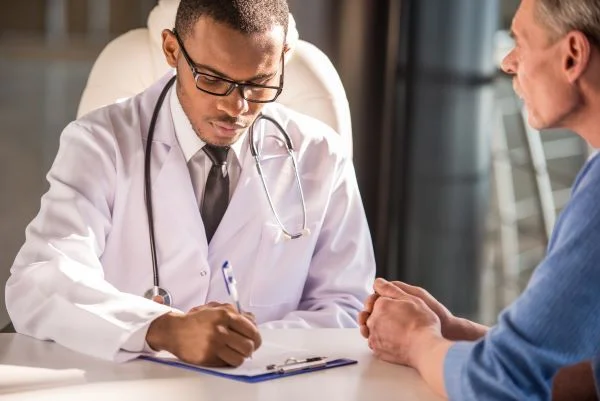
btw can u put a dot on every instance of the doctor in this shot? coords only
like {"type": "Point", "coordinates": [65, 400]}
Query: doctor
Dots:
{"type": "Point", "coordinates": [87, 269]}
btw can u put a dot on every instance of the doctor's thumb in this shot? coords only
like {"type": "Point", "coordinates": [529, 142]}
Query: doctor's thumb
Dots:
{"type": "Point", "coordinates": [250, 316]}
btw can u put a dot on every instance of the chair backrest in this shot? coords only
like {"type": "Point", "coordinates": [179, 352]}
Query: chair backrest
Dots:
{"type": "Point", "coordinates": [133, 61]}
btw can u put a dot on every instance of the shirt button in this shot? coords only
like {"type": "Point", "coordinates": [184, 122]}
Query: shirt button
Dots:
{"type": "Point", "coordinates": [203, 273]}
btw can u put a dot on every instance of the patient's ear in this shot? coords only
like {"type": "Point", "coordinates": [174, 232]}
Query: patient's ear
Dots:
{"type": "Point", "coordinates": [170, 47]}
{"type": "Point", "coordinates": [576, 55]}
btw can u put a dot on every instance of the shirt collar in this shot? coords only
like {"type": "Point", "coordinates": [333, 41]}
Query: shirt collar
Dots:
{"type": "Point", "coordinates": [186, 136]}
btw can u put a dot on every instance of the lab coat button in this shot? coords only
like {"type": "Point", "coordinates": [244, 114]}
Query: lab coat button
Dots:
{"type": "Point", "coordinates": [203, 273]}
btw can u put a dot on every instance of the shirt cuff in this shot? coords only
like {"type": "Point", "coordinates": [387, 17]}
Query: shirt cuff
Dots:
{"type": "Point", "coordinates": [454, 363]}
{"type": "Point", "coordinates": [137, 341]}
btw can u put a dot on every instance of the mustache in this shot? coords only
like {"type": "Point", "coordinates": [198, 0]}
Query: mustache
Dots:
{"type": "Point", "coordinates": [233, 121]}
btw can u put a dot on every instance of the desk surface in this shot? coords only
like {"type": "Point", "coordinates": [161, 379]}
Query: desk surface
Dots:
{"type": "Point", "coordinates": [32, 369]}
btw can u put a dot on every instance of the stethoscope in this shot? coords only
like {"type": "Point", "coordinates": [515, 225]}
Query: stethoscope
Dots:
{"type": "Point", "coordinates": [159, 294]}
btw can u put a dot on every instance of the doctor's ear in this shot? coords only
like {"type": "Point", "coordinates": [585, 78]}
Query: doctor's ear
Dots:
{"type": "Point", "coordinates": [287, 52]}
{"type": "Point", "coordinates": [170, 47]}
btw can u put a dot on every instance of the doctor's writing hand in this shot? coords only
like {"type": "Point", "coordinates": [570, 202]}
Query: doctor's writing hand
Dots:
{"type": "Point", "coordinates": [207, 336]}
{"type": "Point", "coordinates": [249, 315]}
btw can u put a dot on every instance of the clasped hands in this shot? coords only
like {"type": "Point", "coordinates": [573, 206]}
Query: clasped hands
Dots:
{"type": "Point", "coordinates": [402, 323]}
{"type": "Point", "coordinates": [210, 335]}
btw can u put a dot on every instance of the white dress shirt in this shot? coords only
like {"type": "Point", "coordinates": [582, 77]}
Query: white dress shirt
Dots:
{"type": "Point", "coordinates": [199, 164]}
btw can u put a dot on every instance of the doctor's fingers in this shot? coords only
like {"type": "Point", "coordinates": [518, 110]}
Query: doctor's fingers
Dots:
{"type": "Point", "coordinates": [230, 356]}
{"type": "Point", "coordinates": [250, 316]}
{"type": "Point", "coordinates": [203, 307]}
{"type": "Point", "coordinates": [240, 344]}
{"type": "Point", "coordinates": [212, 305]}
{"type": "Point", "coordinates": [243, 326]}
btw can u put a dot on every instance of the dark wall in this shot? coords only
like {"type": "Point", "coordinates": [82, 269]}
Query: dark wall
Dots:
{"type": "Point", "coordinates": [418, 76]}
{"type": "Point", "coordinates": [354, 34]}
{"type": "Point", "coordinates": [29, 17]}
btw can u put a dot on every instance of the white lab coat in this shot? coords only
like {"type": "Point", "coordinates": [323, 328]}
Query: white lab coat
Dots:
{"type": "Point", "coordinates": [86, 262]}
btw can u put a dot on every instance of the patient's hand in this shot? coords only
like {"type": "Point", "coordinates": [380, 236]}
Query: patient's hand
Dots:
{"type": "Point", "coordinates": [453, 328]}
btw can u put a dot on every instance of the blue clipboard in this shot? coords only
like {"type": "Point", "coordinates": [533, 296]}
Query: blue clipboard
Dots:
{"type": "Point", "coordinates": [256, 378]}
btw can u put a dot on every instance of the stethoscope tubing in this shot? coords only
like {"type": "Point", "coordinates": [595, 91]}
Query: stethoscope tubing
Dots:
{"type": "Point", "coordinates": [147, 180]}
{"type": "Point", "coordinates": [156, 290]}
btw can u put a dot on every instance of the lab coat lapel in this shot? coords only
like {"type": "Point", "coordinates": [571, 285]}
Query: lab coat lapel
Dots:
{"type": "Point", "coordinates": [174, 201]}
{"type": "Point", "coordinates": [247, 204]}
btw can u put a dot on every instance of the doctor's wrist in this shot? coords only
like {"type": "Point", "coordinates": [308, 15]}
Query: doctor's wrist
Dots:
{"type": "Point", "coordinates": [161, 332]}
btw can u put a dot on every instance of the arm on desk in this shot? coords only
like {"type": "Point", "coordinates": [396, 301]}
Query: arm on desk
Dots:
{"type": "Point", "coordinates": [211, 335]}
{"type": "Point", "coordinates": [57, 289]}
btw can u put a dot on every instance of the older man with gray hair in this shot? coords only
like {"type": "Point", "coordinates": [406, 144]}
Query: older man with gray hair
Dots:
{"type": "Point", "coordinates": [551, 332]}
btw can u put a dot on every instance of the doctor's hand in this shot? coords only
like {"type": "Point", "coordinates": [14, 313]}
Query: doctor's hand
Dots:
{"type": "Point", "coordinates": [207, 336]}
{"type": "Point", "coordinates": [249, 315]}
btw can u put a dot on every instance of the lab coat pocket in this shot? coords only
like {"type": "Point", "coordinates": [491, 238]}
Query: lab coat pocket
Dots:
{"type": "Point", "coordinates": [281, 268]}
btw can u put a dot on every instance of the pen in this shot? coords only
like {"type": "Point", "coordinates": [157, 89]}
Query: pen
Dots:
{"type": "Point", "coordinates": [296, 365]}
{"type": "Point", "coordinates": [230, 284]}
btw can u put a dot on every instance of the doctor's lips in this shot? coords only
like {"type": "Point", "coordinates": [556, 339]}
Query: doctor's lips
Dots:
{"type": "Point", "coordinates": [230, 128]}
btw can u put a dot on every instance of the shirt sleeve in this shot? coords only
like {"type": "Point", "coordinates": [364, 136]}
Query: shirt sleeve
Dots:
{"type": "Point", "coordinates": [342, 268]}
{"type": "Point", "coordinates": [57, 288]}
{"type": "Point", "coordinates": [137, 341]}
{"type": "Point", "coordinates": [554, 323]}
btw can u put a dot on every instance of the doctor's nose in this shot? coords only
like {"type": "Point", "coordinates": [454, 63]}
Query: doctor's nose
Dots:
{"type": "Point", "coordinates": [233, 104]}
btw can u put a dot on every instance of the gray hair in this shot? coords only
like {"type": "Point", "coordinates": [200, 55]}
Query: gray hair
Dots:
{"type": "Point", "coordinates": [563, 16]}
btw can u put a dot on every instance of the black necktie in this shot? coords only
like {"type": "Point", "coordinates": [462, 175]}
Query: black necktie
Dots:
{"type": "Point", "coordinates": [216, 192]}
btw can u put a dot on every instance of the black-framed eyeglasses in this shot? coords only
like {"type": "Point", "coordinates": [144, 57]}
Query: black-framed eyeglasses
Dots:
{"type": "Point", "coordinates": [220, 86]}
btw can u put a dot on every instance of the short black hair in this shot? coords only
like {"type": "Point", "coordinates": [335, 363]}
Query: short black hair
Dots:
{"type": "Point", "coordinates": [246, 16]}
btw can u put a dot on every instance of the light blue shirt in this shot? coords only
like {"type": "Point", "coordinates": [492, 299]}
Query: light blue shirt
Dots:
{"type": "Point", "coordinates": [554, 323]}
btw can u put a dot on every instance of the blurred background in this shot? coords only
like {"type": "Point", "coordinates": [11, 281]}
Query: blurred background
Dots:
{"type": "Point", "coordinates": [460, 193]}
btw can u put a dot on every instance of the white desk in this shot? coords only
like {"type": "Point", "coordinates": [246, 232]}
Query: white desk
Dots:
{"type": "Point", "coordinates": [31, 369]}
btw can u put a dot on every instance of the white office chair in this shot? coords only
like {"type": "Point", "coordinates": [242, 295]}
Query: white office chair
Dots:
{"type": "Point", "coordinates": [133, 61]}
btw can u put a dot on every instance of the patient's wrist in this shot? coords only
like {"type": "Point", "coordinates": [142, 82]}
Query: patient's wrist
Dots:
{"type": "Point", "coordinates": [460, 329]}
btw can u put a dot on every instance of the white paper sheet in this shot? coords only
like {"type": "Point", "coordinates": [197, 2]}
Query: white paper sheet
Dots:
{"type": "Point", "coordinates": [267, 354]}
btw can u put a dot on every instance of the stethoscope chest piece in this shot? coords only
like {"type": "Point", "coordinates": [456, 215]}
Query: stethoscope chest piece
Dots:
{"type": "Point", "coordinates": [159, 295]}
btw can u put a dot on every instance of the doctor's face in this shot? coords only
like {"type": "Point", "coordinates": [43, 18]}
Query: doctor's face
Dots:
{"type": "Point", "coordinates": [220, 55]}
